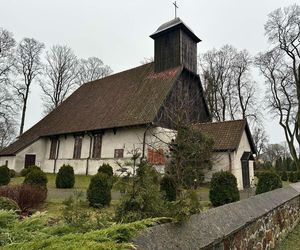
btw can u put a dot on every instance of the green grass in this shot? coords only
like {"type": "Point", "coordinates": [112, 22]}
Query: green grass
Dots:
{"type": "Point", "coordinates": [292, 242]}
{"type": "Point", "coordinates": [81, 181]}
{"type": "Point", "coordinates": [56, 196]}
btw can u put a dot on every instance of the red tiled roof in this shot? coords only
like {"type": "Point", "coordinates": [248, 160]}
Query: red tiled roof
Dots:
{"type": "Point", "coordinates": [226, 135]}
{"type": "Point", "coordinates": [132, 97]}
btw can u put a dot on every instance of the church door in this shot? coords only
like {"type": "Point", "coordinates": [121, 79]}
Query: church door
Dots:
{"type": "Point", "coordinates": [29, 160]}
{"type": "Point", "coordinates": [245, 173]}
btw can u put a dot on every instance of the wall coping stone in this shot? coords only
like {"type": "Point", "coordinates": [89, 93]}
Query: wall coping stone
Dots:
{"type": "Point", "coordinates": [210, 227]}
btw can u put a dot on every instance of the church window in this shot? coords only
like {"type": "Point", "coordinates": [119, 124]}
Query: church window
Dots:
{"type": "Point", "coordinates": [97, 144]}
{"type": "Point", "coordinates": [77, 147]}
{"type": "Point", "coordinates": [119, 153]}
{"type": "Point", "coordinates": [53, 148]}
{"type": "Point", "coordinates": [156, 156]}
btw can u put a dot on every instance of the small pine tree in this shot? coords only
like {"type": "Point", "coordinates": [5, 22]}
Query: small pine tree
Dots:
{"type": "Point", "coordinates": [223, 189]}
{"type": "Point", "coordinates": [268, 181]}
{"type": "Point", "coordinates": [36, 177]}
{"type": "Point", "coordinates": [65, 177]}
{"type": "Point", "coordinates": [284, 176]}
{"type": "Point", "coordinates": [168, 186]}
{"type": "Point", "coordinates": [99, 190]}
{"type": "Point", "coordinates": [4, 175]}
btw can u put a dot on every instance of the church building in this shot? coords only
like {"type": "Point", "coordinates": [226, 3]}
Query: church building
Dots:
{"type": "Point", "coordinates": [110, 119]}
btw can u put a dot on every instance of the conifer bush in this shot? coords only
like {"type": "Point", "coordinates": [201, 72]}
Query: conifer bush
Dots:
{"type": "Point", "coordinates": [65, 177]}
{"type": "Point", "coordinates": [293, 177]}
{"type": "Point", "coordinates": [168, 186]}
{"type": "Point", "coordinates": [4, 175]}
{"type": "Point", "coordinates": [8, 204]}
{"type": "Point", "coordinates": [25, 171]}
{"type": "Point", "coordinates": [106, 169]}
{"type": "Point", "coordinates": [223, 189]}
{"type": "Point", "coordinates": [268, 181]}
{"type": "Point", "coordinates": [284, 176]}
{"type": "Point", "coordinates": [36, 177]}
{"type": "Point", "coordinates": [99, 190]}
{"type": "Point", "coordinates": [12, 173]}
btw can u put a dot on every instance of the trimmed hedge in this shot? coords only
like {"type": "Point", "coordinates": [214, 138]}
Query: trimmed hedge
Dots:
{"type": "Point", "coordinates": [36, 177]}
{"type": "Point", "coordinates": [99, 190]}
{"type": "Point", "coordinates": [65, 177]}
{"type": "Point", "coordinates": [268, 181]}
{"type": "Point", "coordinates": [168, 186]}
{"type": "Point", "coordinates": [223, 189]}
{"type": "Point", "coordinates": [4, 175]}
{"type": "Point", "coordinates": [8, 204]}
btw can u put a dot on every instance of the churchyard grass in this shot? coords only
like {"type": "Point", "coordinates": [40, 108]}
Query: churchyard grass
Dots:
{"type": "Point", "coordinates": [292, 241]}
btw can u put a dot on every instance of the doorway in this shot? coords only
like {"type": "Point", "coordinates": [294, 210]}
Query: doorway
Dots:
{"type": "Point", "coordinates": [29, 160]}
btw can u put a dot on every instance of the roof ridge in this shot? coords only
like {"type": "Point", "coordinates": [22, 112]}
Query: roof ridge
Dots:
{"type": "Point", "coordinates": [120, 72]}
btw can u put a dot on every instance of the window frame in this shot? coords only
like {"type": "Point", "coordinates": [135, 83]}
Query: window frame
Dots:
{"type": "Point", "coordinates": [119, 153]}
{"type": "Point", "coordinates": [77, 146]}
{"type": "Point", "coordinates": [97, 146]}
{"type": "Point", "coordinates": [53, 148]}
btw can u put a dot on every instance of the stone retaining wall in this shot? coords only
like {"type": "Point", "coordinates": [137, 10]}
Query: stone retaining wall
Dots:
{"type": "Point", "coordinates": [256, 223]}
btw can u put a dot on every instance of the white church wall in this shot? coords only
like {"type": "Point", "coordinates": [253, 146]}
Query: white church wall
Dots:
{"type": "Point", "coordinates": [9, 160]}
{"type": "Point", "coordinates": [244, 145]}
{"type": "Point", "coordinates": [38, 148]}
{"type": "Point", "coordinates": [220, 162]}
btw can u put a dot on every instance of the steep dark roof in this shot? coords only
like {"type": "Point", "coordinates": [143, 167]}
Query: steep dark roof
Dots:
{"type": "Point", "coordinates": [226, 135]}
{"type": "Point", "coordinates": [129, 98]}
{"type": "Point", "coordinates": [172, 25]}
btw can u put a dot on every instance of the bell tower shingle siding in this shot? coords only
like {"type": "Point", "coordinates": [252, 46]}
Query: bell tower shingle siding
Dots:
{"type": "Point", "coordinates": [175, 44]}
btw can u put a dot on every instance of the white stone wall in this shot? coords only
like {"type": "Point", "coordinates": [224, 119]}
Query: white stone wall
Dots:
{"type": "Point", "coordinates": [237, 169]}
{"type": "Point", "coordinates": [220, 162]}
{"type": "Point", "coordinates": [129, 139]}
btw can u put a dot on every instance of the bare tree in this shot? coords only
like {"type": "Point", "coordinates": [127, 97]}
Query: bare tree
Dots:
{"type": "Point", "coordinates": [92, 69]}
{"type": "Point", "coordinates": [7, 102]}
{"type": "Point", "coordinates": [281, 68]}
{"type": "Point", "coordinates": [28, 65]}
{"type": "Point", "coordinates": [260, 139]}
{"type": "Point", "coordinates": [61, 74]}
{"type": "Point", "coordinates": [7, 47]}
{"type": "Point", "coordinates": [228, 85]}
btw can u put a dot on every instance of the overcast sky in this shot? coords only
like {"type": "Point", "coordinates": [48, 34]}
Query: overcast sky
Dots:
{"type": "Point", "coordinates": [117, 31]}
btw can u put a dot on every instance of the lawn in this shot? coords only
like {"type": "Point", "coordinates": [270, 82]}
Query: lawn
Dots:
{"type": "Point", "coordinates": [292, 242]}
{"type": "Point", "coordinates": [56, 196]}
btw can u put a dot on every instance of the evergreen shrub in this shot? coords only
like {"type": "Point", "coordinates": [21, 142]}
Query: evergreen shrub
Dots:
{"type": "Point", "coordinates": [65, 177]}
{"type": "Point", "coordinates": [293, 177]}
{"type": "Point", "coordinates": [168, 186]}
{"type": "Point", "coordinates": [284, 176]}
{"type": "Point", "coordinates": [106, 169]}
{"type": "Point", "coordinates": [223, 189]}
{"type": "Point", "coordinates": [36, 177]}
{"type": "Point", "coordinates": [4, 175]}
{"type": "Point", "coordinates": [268, 181]}
{"type": "Point", "coordinates": [99, 190]}
{"type": "Point", "coordinates": [8, 204]}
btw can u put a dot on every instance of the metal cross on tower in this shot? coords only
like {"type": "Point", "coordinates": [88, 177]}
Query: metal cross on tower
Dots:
{"type": "Point", "coordinates": [176, 7]}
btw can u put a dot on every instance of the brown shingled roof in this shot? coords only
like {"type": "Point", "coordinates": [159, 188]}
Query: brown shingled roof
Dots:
{"type": "Point", "coordinates": [129, 98]}
{"type": "Point", "coordinates": [226, 135]}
